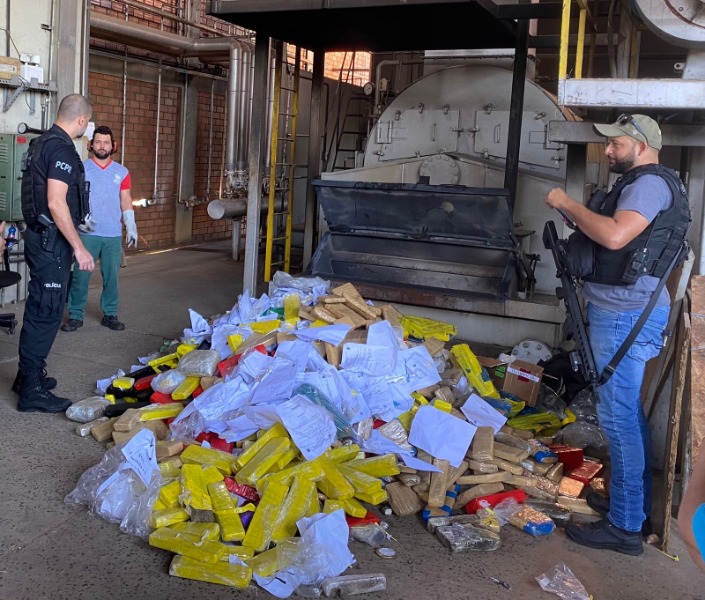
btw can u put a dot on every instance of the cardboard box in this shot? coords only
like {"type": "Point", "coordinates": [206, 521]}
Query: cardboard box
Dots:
{"type": "Point", "coordinates": [523, 379]}
{"type": "Point", "coordinates": [9, 67]}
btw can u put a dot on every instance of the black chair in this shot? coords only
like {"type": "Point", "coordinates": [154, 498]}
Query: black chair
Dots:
{"type": "Point", "coordinates": [8, 278]}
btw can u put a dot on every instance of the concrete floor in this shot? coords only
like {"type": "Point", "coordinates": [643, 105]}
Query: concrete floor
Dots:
{"type": "Point", "coordinates": [51, 550]}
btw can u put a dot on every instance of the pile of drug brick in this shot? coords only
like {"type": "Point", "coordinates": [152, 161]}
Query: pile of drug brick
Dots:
{"type": "Point", "coordinates": [225, 508]}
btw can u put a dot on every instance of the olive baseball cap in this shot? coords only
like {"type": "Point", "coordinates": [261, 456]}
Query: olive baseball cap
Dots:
{"type": "Point", "coordinates": [639, 127]}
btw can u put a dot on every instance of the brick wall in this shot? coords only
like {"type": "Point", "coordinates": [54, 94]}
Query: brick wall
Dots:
{"type": "Point", "coordinates": [154, 223]}
{"type": "Point", "coordinates": [203, 227]}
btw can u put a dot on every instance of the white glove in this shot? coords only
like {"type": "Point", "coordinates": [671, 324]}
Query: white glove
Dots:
{"type": "Point", "coordinates": [128, 216]}
{"type": "Point", "coordinates": [88, 226]}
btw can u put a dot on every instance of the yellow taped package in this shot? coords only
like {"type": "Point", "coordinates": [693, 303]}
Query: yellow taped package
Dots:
{"type": "Point", "coordinates": [330, 505]}
{"type": "Point", "coordinates": [334, 485]}
{"type": "Point", "coordinates": [292, 302]}
{"type": "Point", "coordinates": [353, 508]}
{"type": "Point", "coordinates": [224, 573]}
{"type": "Point", "coordinates": [123, 383]}
{"type": "Point", "coordinates": [235, 341]}
{"type": "Point", "coordinates": [186, 388]}
{"type": "Point", "coordinates": [265, 563]}
{"type": "Point", "coordinates": [384, 465]}
{"type": "Point", "coordinates": [376, 498]}
{"type": "Point", "coordinates": [168, 516]}
{"type": "Point", "coordinates": [230, 525]}
{"type": "Point", "coordinates": [477, 376]}
{"type": "Point", "coordinates": [194, 493]}
{"type": "Point", "coordinates": [182, 543]}
{"type": "Point", "coordinates": [169, 360]}
{"type": "Point", "coordinates": [199, 455]}
{"type": "Point", "coordinates": [274, 432]}
{"type": "Point", "coordinates": [200, 531]}
{"type": "Point", "coordinates": [220, 496]}
{"type": "Point", "coordinates": [161, 411]}
{"type": "Point", "coordinates": [259, 533]}
{"type": "Point", "coordinates": [169, 494]}
{"type": "Point", "coordinates": [442, 405]}
{"type": "Point", "coordinates": [211, 474]}
{"type": "Point", "coordinates": [263, 461]}
{"type": "Point", "coordinates": [422, 328]}
{"type": "Point", "coordinates": [183, 349]}
{"type": "Point", "coordinates": [263, 327]}
{"type": "Point", "coordinates": [343, 453]}
{"type": "Point", "coordinates": [170, 468]}
{"type": "Point", "coordinates": [311, 470]}
{"type": "Point", "coordinates": [294, 508]}
{"type": "Point", "coordinates": [286, 458]}
{"type": "Point", "coordinates": [241, 552]}
{"type": "Point", "coordinates": [361, 482]}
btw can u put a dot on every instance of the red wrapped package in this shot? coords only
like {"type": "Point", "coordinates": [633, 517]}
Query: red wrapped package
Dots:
{"type": "Point", "coordinates": [493, 500]}
{"type": "Point", "coordinates": [587, 471]}
{"type": "Point", "coordinates": [571, 457]}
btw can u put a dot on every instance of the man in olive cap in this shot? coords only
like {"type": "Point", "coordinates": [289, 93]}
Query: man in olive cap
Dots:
{"type": "Point", "coordinates": [631, 235]}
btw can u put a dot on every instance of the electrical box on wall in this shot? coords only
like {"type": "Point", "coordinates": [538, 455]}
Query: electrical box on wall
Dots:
{"type": "Point", "coordinates": [12, 147]}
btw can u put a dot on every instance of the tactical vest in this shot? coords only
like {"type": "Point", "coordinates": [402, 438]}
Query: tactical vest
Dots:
{"type": "Point", "coordinates": [651, 252]}
{"type": "Point", "coordinates": [34, 185]}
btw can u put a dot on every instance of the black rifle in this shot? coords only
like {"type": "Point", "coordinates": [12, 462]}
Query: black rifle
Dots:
{"type": "Point", "coordinates": [581, 358]}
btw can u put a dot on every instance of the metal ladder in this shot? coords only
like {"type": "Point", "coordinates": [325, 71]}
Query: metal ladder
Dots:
{"type": "Point", "coordinates": [282, 174]}
{"type": "Point", "coordinates": [346, 129]}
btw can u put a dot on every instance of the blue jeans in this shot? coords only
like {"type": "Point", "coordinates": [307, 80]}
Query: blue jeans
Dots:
{"type": "Point", "coordinates": [619, 409]}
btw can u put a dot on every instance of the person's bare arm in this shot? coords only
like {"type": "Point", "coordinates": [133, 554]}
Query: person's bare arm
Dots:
{"type": "Point", "coordinates": [611, 232]}
{"type": "Point", "coordinates": [125, 200]}
{"type": "Point", "coordinates": [59, 209]}
{"type": "Point", "coordinates": [694, 496]}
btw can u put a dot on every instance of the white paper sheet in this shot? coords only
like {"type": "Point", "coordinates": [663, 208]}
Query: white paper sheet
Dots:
{"type": "Point", "coordinates": [480, 413]}
{"type": "Point", "coordinates": [441, 434]}
{"type": "Point", "coordinates": [416, 368]}
{"type": "Point", "coordinates": [310, 426]}
{"type": "Point", "coordinates": [297, 352]}
{"type": "Point", "coordinates": [277, 384]}
{"type": "Point", "coordinates": [200, 329]}
{"type": "Point", "coordinates": [333, 334]}
{"type": "Point", "coordinates": [371, 360]}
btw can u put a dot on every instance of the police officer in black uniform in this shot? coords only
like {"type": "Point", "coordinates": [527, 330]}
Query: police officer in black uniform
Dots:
{"type": "Point", "coordinates": [54, 201]}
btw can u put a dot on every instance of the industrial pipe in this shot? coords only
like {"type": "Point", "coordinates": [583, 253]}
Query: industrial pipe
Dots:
{"type": "Point", "coordinates": [234, 208]}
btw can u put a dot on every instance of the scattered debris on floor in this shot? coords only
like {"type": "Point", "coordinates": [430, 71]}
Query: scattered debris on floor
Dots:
{"type": "Point", "coordinates": [265, 440]}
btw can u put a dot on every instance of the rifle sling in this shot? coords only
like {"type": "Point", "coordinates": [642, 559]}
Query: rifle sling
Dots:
{"type": "Point", "coordinates": [612, 366]}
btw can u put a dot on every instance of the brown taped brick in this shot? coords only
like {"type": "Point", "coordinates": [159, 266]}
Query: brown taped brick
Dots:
{"type": "Point", "coordinates": [127, 420]}
{"type": "Point", "coordinates": [103, 431]}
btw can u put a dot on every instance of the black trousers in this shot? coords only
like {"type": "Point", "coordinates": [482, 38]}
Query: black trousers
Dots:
{"type": "Point", "coordinates": [49, 257]}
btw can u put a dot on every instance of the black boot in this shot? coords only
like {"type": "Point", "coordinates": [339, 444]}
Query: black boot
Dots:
{"type": "Point", "coordinates": [49, 382]}
{"type": "Point", "coordinates": [34, 397]}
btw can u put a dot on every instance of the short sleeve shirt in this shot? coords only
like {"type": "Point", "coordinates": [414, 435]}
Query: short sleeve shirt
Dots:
{"type": "Point", "coordinates": [59, 160]}
{"type": "Point", "coordinates": [106, 184]}
{"type": "Point", "coordinates": [648, 195]}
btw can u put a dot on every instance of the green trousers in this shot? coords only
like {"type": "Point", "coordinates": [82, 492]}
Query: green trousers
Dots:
{"type": "Point", "coordinates": [107, 251]}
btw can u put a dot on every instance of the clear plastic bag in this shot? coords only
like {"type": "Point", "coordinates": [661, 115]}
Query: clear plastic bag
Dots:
{"type": "Point", "coordinates": [505, 509]}
{"type": "Point", "coordinates": [582, 434]}
{"type": "Point", "coordinates": [583, 406]}
{"type": "Point", "coordinates": [167, 381]}
{"type": "Point", "coordinates": [123, 486]}
{"type": "Point", "coordinates": [342, 424]}
{"type": "Point", "coordinates": [560, 581]}
{"type": "Point", "coordinates": [373, 535]}
{"type": "Point", "coordinates": [87, 410]}
{"type": "Point", "coordinates": [199, 363]}
{"type": "Point", "coordinates": [549, 401]}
